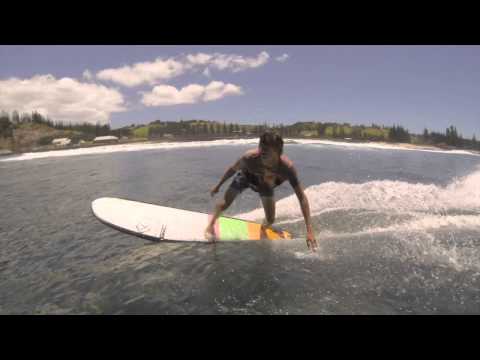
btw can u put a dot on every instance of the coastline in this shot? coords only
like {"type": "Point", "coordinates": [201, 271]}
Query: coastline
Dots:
{"type": "Point", "coordinates": [152, 144]}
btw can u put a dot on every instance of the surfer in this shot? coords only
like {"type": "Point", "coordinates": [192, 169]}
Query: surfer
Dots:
{"type": "Point", "coordinates": [262, 170]}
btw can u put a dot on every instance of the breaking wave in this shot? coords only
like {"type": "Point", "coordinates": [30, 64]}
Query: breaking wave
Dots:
{"type": "Point", "coordinates": [426, 223]}
{"type": "Point", "coordinates": [462, 194]}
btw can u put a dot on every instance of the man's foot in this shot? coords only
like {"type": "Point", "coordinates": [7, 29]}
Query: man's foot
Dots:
{"type": "Point", "coordinates": [263, 230]}
{"type": "Point", "coordinates": [209, 235]}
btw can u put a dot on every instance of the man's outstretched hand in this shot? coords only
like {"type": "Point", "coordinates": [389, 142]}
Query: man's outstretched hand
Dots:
{"type": "Point", "coordinates": [311, 242]}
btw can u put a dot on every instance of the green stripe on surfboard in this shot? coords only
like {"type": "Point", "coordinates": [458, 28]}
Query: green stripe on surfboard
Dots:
{"type": "Point", "coordinates": [233, 229]}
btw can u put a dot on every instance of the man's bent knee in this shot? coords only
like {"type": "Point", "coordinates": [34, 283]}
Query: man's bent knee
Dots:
{"type": "Point", "coordinates": [227, 201]}
{"type": "Point", "coordinates": [222, 205]}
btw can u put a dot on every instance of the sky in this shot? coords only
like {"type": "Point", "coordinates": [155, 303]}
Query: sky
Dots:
{"type": "Point", "coordinates": [414, 86]}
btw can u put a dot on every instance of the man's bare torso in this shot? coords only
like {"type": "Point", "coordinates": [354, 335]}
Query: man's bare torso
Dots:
{"type": "Point", "coordinates": [258, 173]}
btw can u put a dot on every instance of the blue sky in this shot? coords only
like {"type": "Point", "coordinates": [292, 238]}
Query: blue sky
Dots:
{"type": "Point", "coordinates": [415, 86]}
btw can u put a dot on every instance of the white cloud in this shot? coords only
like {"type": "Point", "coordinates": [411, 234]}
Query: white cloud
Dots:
{"type": "Point", "coordinates": [166, 95]}
{"type": "Point", "coordinates": [64, 99]}
{"type": "Point", "coordinates": [144, 72]}
{"type": "Point", "coordinates": [282, 58]}
{"type": "Point", "coordinates": [206, 72]}
{"type": "Point", "coordinates": [87, 75]}
{"type": "Point", "coordinates": [199, 59]}
{"type": "Point", "coordinates": [217, 90]}
{"type": "Point", "coordinates": [162, 70]}
{"type": "Point", "coordinates": [237, 63]}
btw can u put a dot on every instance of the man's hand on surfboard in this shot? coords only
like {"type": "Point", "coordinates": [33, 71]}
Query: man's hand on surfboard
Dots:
{"type": "Point", "coordinates": [209, 235]}
{"type": "Point", "coordinates": [311, 242]}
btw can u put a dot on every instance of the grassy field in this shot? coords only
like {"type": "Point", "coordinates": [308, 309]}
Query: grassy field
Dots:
{"type": "Point", "coordinates": [141, 132]}
{"type": "Point", "coordinates": [375, 133]}
{"type": "Point", "coordinates": [29, 134]}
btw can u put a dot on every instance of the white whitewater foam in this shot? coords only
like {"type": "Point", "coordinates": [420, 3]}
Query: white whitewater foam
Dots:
{"type": "Point", "coordinates": [415, 237]}
{"type": "Point", "coordinates": [381, 195]}
{"type": "Point", "coordinates": [422, 224]}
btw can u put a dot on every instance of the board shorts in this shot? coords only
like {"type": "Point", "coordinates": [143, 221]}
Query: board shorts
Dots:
{"type": "Point", "coordinates": [241, 182]}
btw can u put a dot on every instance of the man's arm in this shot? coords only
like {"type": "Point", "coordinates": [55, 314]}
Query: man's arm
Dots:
{"type": "Point", "coordinates": [302, 198]}
{"type": "Point", "coordinates": [311, 242]}
{"type": "Point", "coordinates": [305, 206]}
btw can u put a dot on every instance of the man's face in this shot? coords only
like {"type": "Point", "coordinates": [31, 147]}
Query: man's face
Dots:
{"type": "Point", "coordinates": [268, 155]}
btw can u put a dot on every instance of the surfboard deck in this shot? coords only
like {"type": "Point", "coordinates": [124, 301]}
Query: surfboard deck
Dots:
{"type": "Point", "coordinates": [162, 223]}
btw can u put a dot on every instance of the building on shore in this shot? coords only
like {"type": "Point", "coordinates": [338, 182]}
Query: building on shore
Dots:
{"type": "Point", "coordinates": [61, 141]}
{"type": "Point", "coordinates": [105, 139]}
{"type": "Point", "coordinates": [5, 152]}
{"type": "Point", "coordinates": [309, 133]}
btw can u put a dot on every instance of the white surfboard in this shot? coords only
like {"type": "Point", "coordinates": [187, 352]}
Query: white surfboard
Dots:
{"type": "Point", "coordinates": [155, 222]}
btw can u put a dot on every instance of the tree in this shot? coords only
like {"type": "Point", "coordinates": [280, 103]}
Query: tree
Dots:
{"type": "Point", "coordinates": [425, 134]}
{"type": "Point", "coordinates": [6, 128]}
{"type": "Point", "coordinates": [399, 134]}
{"type": "Point", "coordinates": [15, 117]}
{"type": "Point", "coordinates": [37, 118]}
{"type": "Point", "coordinates": [452, 136]}
{"type": "Point", "coordinates": [4, 115]}
{"type": "Point", "coordinates": [25, 118]}
{"type": "Point", "coordinates": [356, 133]}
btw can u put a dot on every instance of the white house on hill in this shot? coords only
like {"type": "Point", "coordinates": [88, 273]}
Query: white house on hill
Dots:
{"type": "Point", "coordinates": [61, 141]}
{"type": "Point", "coordinates": [105, 139]}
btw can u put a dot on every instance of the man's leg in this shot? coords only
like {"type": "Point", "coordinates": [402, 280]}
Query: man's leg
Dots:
{"type": "Point", "coordinates": [221, 206]}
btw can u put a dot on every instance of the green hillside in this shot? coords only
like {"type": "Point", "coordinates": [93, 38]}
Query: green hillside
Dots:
{"type": "Point", "coordinates": [32, 131]}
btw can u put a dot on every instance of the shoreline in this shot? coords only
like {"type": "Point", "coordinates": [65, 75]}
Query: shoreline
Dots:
{"type": "Point", "coordinates": [288, 140]}
{"type": "Point", "coordinates": [49, 148]}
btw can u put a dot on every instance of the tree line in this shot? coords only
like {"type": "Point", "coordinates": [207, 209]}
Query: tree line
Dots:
{"type": "Point", "coordinates": [8, 123]}
{"type": "Point", "coordinates": [205, 128]}
{"type": "Point", "coordinates": [450, 137]}
{"type": "Point", "coordinates": [159, 128]}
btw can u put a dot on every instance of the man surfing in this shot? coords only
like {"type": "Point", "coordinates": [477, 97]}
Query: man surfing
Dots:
{"type": "Point", "coordinates": [262, 170]}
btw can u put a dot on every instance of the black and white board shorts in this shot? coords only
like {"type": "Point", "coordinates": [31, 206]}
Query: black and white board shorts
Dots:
{"type": "Point", "coordinates": [241, 182]}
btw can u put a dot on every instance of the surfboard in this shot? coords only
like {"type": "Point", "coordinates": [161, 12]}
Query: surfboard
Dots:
{"type": "Point", "coordinates": [162, 223]}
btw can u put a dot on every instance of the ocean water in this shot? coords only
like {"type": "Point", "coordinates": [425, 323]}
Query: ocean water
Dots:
{"type": "Point", "coordinates": [398, 230]}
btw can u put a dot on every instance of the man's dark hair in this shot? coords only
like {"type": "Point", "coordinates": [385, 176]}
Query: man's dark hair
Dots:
{"type": "Point", "coordinates": [272, 140]}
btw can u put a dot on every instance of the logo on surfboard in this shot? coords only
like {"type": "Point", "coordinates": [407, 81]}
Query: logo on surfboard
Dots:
{"type": "Point", "coordinates": [162, 232]}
